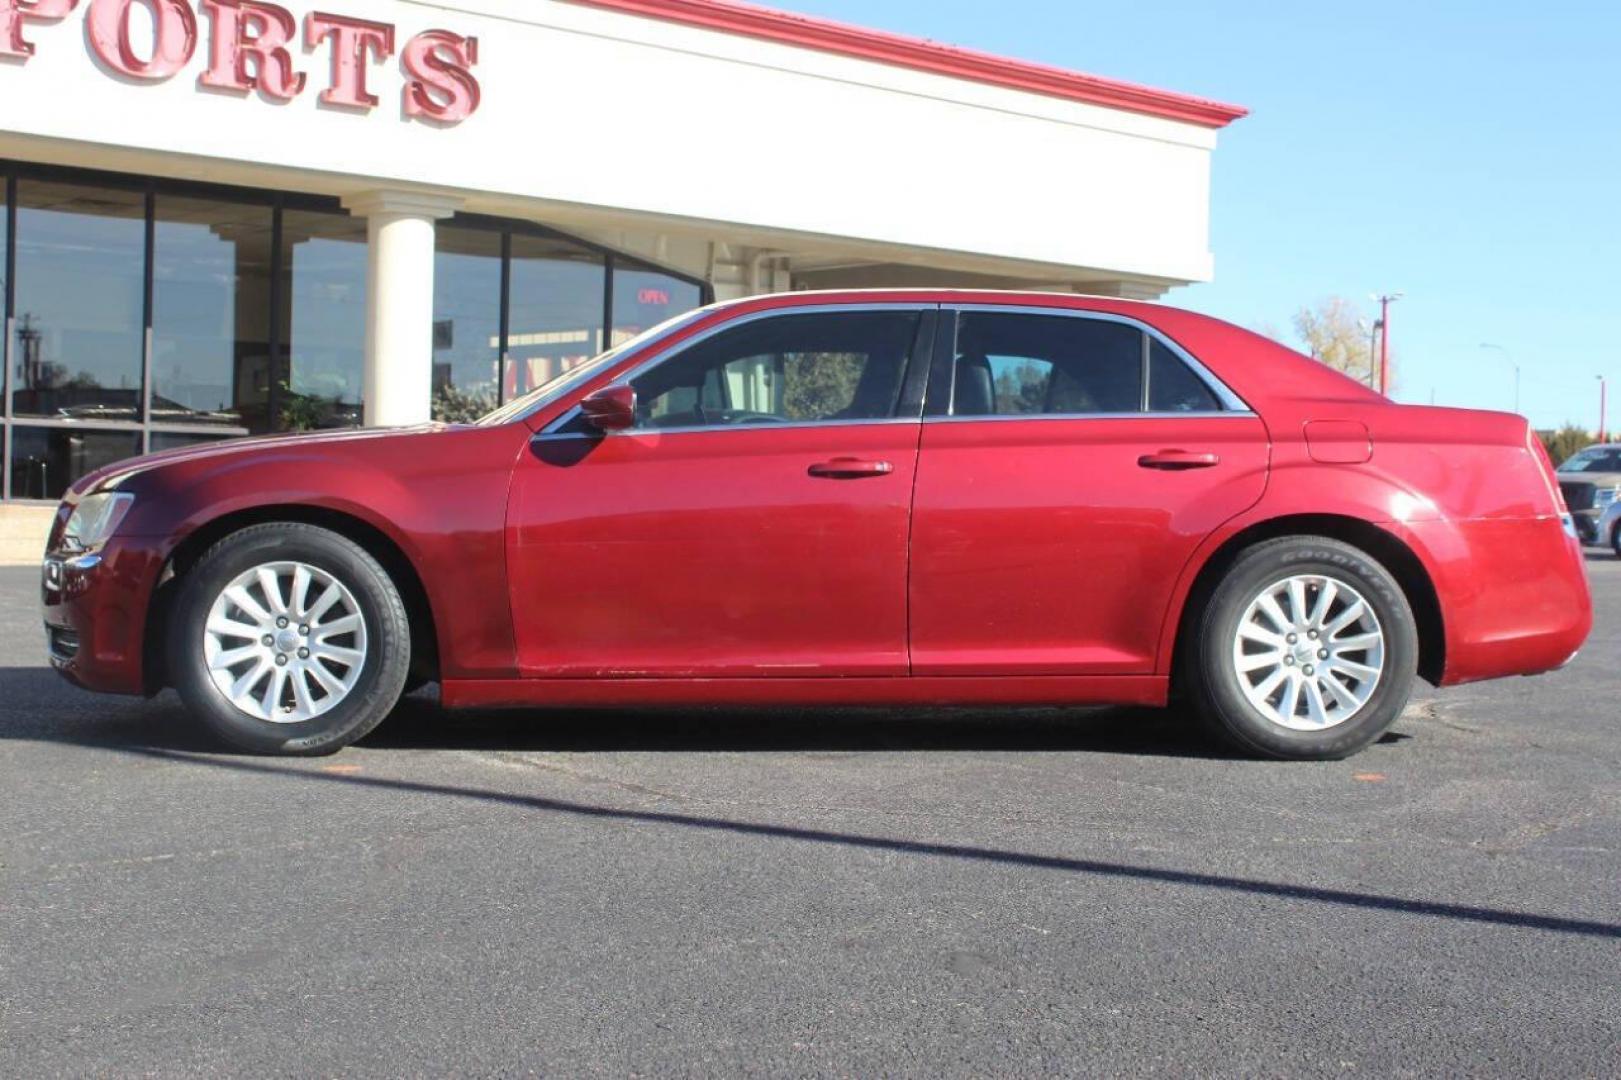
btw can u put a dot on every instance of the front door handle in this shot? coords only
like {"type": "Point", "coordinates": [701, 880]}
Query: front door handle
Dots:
{"type": "Point", "coordinates": [849, 468]}
{"type": "Point", "coordinates": [1177, 460]}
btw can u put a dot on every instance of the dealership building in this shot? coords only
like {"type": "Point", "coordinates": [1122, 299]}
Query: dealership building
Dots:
{"type": "Point", "coordinates": [227, 217]}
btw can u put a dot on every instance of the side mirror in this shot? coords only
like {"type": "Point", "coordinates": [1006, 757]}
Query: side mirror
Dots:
{"type": "Point", "coordinates": [613, 408]}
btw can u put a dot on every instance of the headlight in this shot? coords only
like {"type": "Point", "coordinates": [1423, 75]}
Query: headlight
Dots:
{"type": "Point", "coordinates": [95, 519]}
{"type": "Point", "coordinates": [1604, 496]}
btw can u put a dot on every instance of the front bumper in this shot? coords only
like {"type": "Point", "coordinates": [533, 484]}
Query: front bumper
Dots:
{"type": "Point", "coordinates": [95, 609]}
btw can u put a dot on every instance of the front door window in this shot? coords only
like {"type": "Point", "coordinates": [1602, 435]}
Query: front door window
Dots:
{"type": "Point", "coordinates": [792, 369]}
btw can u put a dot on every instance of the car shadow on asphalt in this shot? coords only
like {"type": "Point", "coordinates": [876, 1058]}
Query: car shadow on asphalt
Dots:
{"type": "Point", "coordinates": [40, 708]}
{"type": "Point", "coordinates": [968, 853]}
{"type": "Point", "coordinates": [36, 704]}
{"type": "Point", "coordinates": [419, 723]}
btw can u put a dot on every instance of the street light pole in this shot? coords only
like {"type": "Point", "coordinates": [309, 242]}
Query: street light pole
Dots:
{"type": "Point", "coordinates": [1602, 388]}
{"type": "Point", "coordinates": [1385, 301]}
{"type": "Point", "coordinates": [1513, 363]}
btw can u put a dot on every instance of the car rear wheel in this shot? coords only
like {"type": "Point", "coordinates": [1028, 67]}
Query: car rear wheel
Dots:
{"type": "Point", "coordinates": [1615, 539]}
{"type": "Point", "coordinates": [288, 638]}
{"type": "Point", "coordinates": [1306, 649]}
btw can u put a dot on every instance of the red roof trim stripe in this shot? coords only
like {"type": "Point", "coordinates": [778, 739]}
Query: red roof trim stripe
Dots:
{"type": "Point", "coordinates": [921, 55]}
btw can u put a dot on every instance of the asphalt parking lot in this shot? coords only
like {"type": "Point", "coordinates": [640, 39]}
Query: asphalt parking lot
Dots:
{"type": "Point", "coordinates": [811, 893]}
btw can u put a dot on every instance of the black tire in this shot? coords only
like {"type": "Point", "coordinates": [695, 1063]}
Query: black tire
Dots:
{"type": "Point", "coordinates": [1213, 679]}
{"type": "Point", "coordinates": [1615, 539]}
{"type": "Point", "coordinates": [383, 672]}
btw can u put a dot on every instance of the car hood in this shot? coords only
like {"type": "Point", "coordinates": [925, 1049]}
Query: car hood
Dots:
{"type": "Point", "coordinates": [112, 476]}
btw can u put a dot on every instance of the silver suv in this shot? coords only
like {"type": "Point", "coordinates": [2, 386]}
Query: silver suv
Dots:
{"type": "Point", "coordinates": [1609, 528]}
{"type": "Point", "coordinates": [1590, 480]}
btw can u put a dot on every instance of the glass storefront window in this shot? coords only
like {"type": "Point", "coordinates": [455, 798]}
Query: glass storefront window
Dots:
{"type": "Point", "coordinates": [644, 298]}
{"type": "Point", "coordinates": [554, 318]}
{"type": "Point", "coordinates": [46, 460]}
{"type": "Point", "coordinates": [323, 321]}
{"type": "Point", "coordinates": [80, 316]}
{"type": "Point", "coordinates": [230, 334]}
{"type": "Point", "coordinates": [5, 309]}
{"type": "Point", "coordinates": [211, 313]}
{"type": "Point", "coordinates": [466, 322]}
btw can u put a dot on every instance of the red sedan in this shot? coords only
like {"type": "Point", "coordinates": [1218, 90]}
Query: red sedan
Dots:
{"type": "Point", "coordinates": [918, 498]}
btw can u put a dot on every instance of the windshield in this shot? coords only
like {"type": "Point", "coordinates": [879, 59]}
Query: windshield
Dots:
{"type": "Point", "coordinates": [1596, 460]}
{"type": "Point", "coordinates": [550, 391]}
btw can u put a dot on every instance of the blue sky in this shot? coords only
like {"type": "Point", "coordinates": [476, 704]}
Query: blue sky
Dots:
{"type": "Point", "coordinates": [1465, 154]}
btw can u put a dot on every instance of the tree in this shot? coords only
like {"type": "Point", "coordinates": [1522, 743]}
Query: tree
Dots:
{"type": "Point", "coordinates": [303, 412]}
{"type": "Point", "coordinates": [454, 405]}
{"type": "Point", "coordinates": [1565, 442]}
{"type": "Point", "coordinates": [1339, 335]}
{"type": "Point", "coordinates": [816, 386]}
{"type": "Point", "coordinates": [1023, 389]}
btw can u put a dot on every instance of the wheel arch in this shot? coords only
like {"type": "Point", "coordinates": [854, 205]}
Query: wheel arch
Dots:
{"type": "Point", "coordinates": [377, 543]}
{"type": "Point", "coordinates": [1393, 552]}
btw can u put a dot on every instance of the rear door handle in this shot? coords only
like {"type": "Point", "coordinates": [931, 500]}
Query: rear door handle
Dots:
{"type": "Point", "coordinates": [1177, 460]}
{"type": "Point", "coordinates": [849, 468]}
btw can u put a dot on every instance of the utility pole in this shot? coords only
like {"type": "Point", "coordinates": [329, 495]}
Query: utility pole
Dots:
{"type": "Point", "coordinates": [1385, 300]}
{"type": "Point", "coordinates": [1602, 389]}
{"type": "Point", "coordinates": [1373, 354]}
{"type": "Point", "coordinates": [1512, 362]}
{"type": "Point", "coordinates": [32, 371]}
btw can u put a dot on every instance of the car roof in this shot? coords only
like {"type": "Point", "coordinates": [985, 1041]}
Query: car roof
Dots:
{"type": "Point", "coordinates": [1257, 368]}
{"type": "Point", "coordinates": [942, 295]}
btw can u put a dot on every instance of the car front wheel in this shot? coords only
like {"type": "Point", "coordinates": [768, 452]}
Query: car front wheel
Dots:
{"type": "Point", "coordinates": [1306, 649]}
{"type": "Point", "coordinates": [289, 638]}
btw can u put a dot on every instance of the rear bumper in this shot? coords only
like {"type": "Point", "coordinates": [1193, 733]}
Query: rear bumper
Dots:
{"type": "Point", "coordinates": [1514, 595]}
{"type": "Point", "coordinates": [95, 609]}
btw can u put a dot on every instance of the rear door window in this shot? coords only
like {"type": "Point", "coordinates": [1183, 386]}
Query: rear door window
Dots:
{"type": "Point", "coordinates": [1172, 385]}
{"type": "Point", "coordinates": [1012, 364]}
{"type": "Point", "coordinates": [1022, 364]}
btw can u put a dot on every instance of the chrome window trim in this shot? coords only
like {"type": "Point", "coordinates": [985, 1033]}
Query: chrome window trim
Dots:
{"type": "Point", "coordinates": [669, 352]}
{"type": "Point", "coordinates": [1224, 414]}
{"type": "Point", "coordinates": [787, 425]}
{"type": "Point", "coordinates": [1230, 401]}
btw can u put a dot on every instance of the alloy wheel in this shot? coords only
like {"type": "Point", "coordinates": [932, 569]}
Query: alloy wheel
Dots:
{"type": "Point", "coordinates": [285, 642]}
{"type": "Point", "coordinates": [1309, 652]}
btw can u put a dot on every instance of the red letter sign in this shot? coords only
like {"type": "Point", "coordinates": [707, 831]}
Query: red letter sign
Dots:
{"type": "Point", "coordinates": [352, 39]}
{"type": "Point", "coordinates": [14, 12]}
{"type": "Point", "coordinates": [174, 37]}
{"type": "Point", "coordinates": [439, 83]}
{"type": "Point", "coordinates": [244, 31]}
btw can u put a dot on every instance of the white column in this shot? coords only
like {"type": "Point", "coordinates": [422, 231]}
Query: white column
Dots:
{"type": "Point", "coordinates": [398, 380]}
